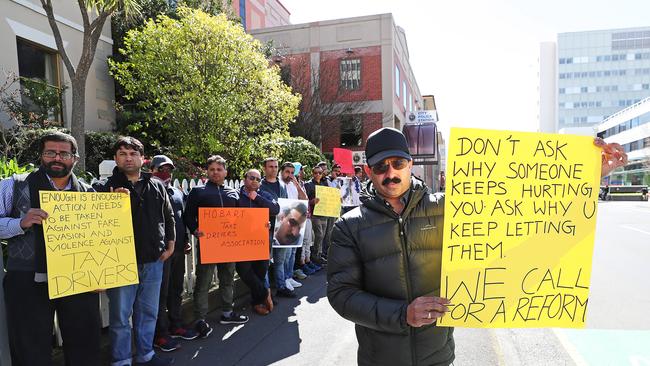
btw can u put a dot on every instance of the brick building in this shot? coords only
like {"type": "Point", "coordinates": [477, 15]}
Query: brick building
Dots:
{"type": "Point", "coordinates": [354, 75]}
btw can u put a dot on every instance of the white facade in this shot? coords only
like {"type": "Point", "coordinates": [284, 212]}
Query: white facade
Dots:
{"type": "Point", "coordinates": [585, 77]}
{"type": "Point", "coordinates": [23, 22]}
{"type": "Point", "coordinates": [631, 128]}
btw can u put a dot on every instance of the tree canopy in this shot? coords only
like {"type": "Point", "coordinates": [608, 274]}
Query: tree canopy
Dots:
{"type": "Point", "coordinates": [206, 83]}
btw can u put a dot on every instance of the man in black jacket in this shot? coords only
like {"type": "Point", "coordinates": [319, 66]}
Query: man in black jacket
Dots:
{"type": "Point", "coordinates": [377, 280]}
{"type": "Point", "coordinates": [154, 236]}
{"type": "Point", "coordinates": [385, 284]}
{"type": "Point", "coordinates": [213, 194]}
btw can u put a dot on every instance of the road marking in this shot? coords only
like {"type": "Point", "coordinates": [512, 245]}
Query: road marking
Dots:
{"type": "Point", "coordinates": [635, 229]}
{"type": "Point", "coordinates": [569, 348]}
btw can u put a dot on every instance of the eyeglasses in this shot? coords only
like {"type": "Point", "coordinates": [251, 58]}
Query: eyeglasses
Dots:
{"type": "Point", "coordinates": [63, 154]}
{"type": "Point", "coordinates": [382, 167]}
{"type": "Point", "coordinates": [256, 179]}
{"type": "Point", "coordinates": [317, 173]}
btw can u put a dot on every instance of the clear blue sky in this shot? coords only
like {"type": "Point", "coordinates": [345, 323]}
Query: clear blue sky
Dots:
{"type": "Point", "coordinates": [480, 57]}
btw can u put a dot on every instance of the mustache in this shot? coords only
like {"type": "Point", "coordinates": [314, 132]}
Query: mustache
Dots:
{"type": "Point", "coordinates": [388, 181]}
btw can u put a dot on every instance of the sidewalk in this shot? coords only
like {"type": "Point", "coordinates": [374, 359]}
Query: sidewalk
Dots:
{"type": "Point", "coordinates": [262, 341]}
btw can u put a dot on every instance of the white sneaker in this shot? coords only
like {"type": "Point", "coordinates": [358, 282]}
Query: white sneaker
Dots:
{"type": "Point", "coordinates": [294, 283]}
{"type": "Point", "coordinates": [288, 285]}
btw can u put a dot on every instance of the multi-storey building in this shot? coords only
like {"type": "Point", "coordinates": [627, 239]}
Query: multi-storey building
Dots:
{"type": "Point", "coordinates": [256, 14]}
{"type": "Point", "coordinates": [586, 77]}
{"type": "Point", "coordinates": [354, 75]}
{"type": "Point", "coordinates": [29, 51]}
{"type": "Point", "coordinates": [630, 127]}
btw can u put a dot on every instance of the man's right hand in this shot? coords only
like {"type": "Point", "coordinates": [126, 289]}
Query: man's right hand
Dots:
{"type": "Point", "coordinates": [33, 216]}
{"type": "Point", "coordinates": [426, 310]}
{"type": "Point", "coordinates": [198, 233]}
{"type": "Point", "coordinates": [316, 200]}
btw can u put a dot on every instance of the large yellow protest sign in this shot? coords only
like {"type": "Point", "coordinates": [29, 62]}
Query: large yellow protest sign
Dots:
{"type": "Point", "coordinates": [88, 242]}
{"type": "Point", "coordinates": [520, 218]}
{"type": "Point", "coordinates": [330, 201]}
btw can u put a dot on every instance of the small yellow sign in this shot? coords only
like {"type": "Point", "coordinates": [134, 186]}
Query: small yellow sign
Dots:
{"type": "Point", "coordinates": [520, 220]}
{"type": "Point", "coordinates": [330, 202]}
{"type": "Point", "coordinates": [88, 242]}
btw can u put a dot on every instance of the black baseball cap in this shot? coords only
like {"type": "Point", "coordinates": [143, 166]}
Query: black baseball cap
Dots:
{"type": "Point", "coordinates": [385, 143]}
{"type": "Point", "coordinates": [160, 160]}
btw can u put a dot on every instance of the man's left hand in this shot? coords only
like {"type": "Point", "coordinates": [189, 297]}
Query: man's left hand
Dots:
{"type": "Point", "coordinates": [612, 156]}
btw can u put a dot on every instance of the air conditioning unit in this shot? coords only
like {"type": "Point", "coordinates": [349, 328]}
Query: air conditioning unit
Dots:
{"type": "Point", "coordinates": [359, 157]}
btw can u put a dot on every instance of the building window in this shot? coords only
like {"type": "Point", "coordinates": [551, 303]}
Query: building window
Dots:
{"type": "Point", "coordinates": [40, 83]}
{"type": "Point", "coordinates": [397, 81]}
{"type": "Point", "coordinates": [350, 74]}
{"type": "Point", "coordinates": [351, 130]}
{"type": "Point", "coordinates": [404, 95]}
{"type": "Point", "coordinates": [410, 102]}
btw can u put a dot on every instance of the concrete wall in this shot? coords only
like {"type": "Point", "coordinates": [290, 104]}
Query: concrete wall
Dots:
{"type": "Point", "coordinates": [26, 19]}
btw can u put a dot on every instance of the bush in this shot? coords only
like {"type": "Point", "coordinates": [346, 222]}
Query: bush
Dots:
{"type": "Point", "coordinates": [9, 167]}
{"type": "Point", "coordinates": [99, 147]}
{"type": "Point", "coordinates": [294, 149]}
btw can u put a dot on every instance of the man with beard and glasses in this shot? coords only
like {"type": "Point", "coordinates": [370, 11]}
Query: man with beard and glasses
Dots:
{"type": "Point", "coordinates": [154, 234]}
{"type": "Point", "coordinates": [30, 312]}
{"type": "Point", "coordinates": [390, 286]}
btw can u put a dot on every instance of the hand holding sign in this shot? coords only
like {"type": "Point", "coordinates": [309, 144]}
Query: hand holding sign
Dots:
{"type": "Point", "coordinates": [33, 216]}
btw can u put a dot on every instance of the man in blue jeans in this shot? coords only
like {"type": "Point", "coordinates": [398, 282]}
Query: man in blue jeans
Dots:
{"type": "Point", "coordinates": [154, 236]}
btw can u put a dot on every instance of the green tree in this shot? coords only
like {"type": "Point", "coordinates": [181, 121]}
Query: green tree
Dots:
{"type": "Point", "coordinates": [205, 82]}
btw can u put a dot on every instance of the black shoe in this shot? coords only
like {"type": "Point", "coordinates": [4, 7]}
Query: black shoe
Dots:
{"type": "Point", "coordinates": [285, 292]}
{"type": "Point", "coordinates": [234, 318]}
{"type": "Point", "coordinates": [203, 328]}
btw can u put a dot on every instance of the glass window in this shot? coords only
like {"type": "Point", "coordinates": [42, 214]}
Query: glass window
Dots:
{"type": "Point", "coordinates": [404, 94]}
{"type": "Point", "coordinates": [40, 82]}
{"type": "Point", "coordinates": [351, 130]}
{"type": "Point", "coordinates": [350, 74]}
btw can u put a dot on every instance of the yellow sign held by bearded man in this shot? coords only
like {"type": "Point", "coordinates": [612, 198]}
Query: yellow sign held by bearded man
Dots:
{"type": "Point", "coordinates": [520, 219]}
{"type": "Point", "coordinates": [88, 242]}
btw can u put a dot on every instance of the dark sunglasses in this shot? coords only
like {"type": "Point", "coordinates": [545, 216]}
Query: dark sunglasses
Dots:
{"type": "Point", "coordinates": [382, 167]}
{"type": "Point", "coordinates": [254, 178]}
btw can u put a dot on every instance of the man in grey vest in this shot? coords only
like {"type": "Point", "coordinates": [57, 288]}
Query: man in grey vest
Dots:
{"type": "Point", "coordinates": [30, 312]}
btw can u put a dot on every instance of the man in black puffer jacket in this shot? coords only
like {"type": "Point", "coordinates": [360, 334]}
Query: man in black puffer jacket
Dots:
{"type": "Point", "coordinates": [384, 263]}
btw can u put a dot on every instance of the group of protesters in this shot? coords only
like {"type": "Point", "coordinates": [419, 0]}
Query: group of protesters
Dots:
{"type": "Point", "coordinates": [148, 314]}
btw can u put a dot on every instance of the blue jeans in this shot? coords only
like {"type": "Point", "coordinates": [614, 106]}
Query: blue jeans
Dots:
{"type": "Point", "coordinates": [280, 257]}
{"type": "Point", "coordinates": [288, 265]}
{"type": "Point", "coordinates": [140, 302]}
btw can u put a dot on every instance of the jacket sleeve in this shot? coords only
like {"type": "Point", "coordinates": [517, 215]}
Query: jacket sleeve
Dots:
{"type": "Point", "coordinates": [266, 200]}
{"type": "Point", "coordinates": [190, 215]}
{"type": "Point", "coordinates": [345, 287]}
{"type": "Point", "coordinates": [168, 215]}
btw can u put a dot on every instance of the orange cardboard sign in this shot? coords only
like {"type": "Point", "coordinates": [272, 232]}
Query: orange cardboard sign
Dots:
{"type": "Point", "coordinates": [233, 234]}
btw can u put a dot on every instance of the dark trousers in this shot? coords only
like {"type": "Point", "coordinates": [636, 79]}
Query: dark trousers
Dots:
{"type": "Point", "coordinates": [171, 295]}
{"type": "Point", "coordinates": [30, 321]}
{"type": "Point", "coordinates": [253, 274]}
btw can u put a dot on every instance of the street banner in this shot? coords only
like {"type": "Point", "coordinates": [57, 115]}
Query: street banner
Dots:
{"type": "Point", "coordinates": [88, 242]}
{"type": "Point", "coordinates": [233, 234]}
{"type": "Point", "coordinates": [520, 220]}
{"type": "Point", "coordinates": [343, 157]}
{"type": "Point", "coordinates": [330, 201]}
{"type": "Point", "coordinates": [290, 223]}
